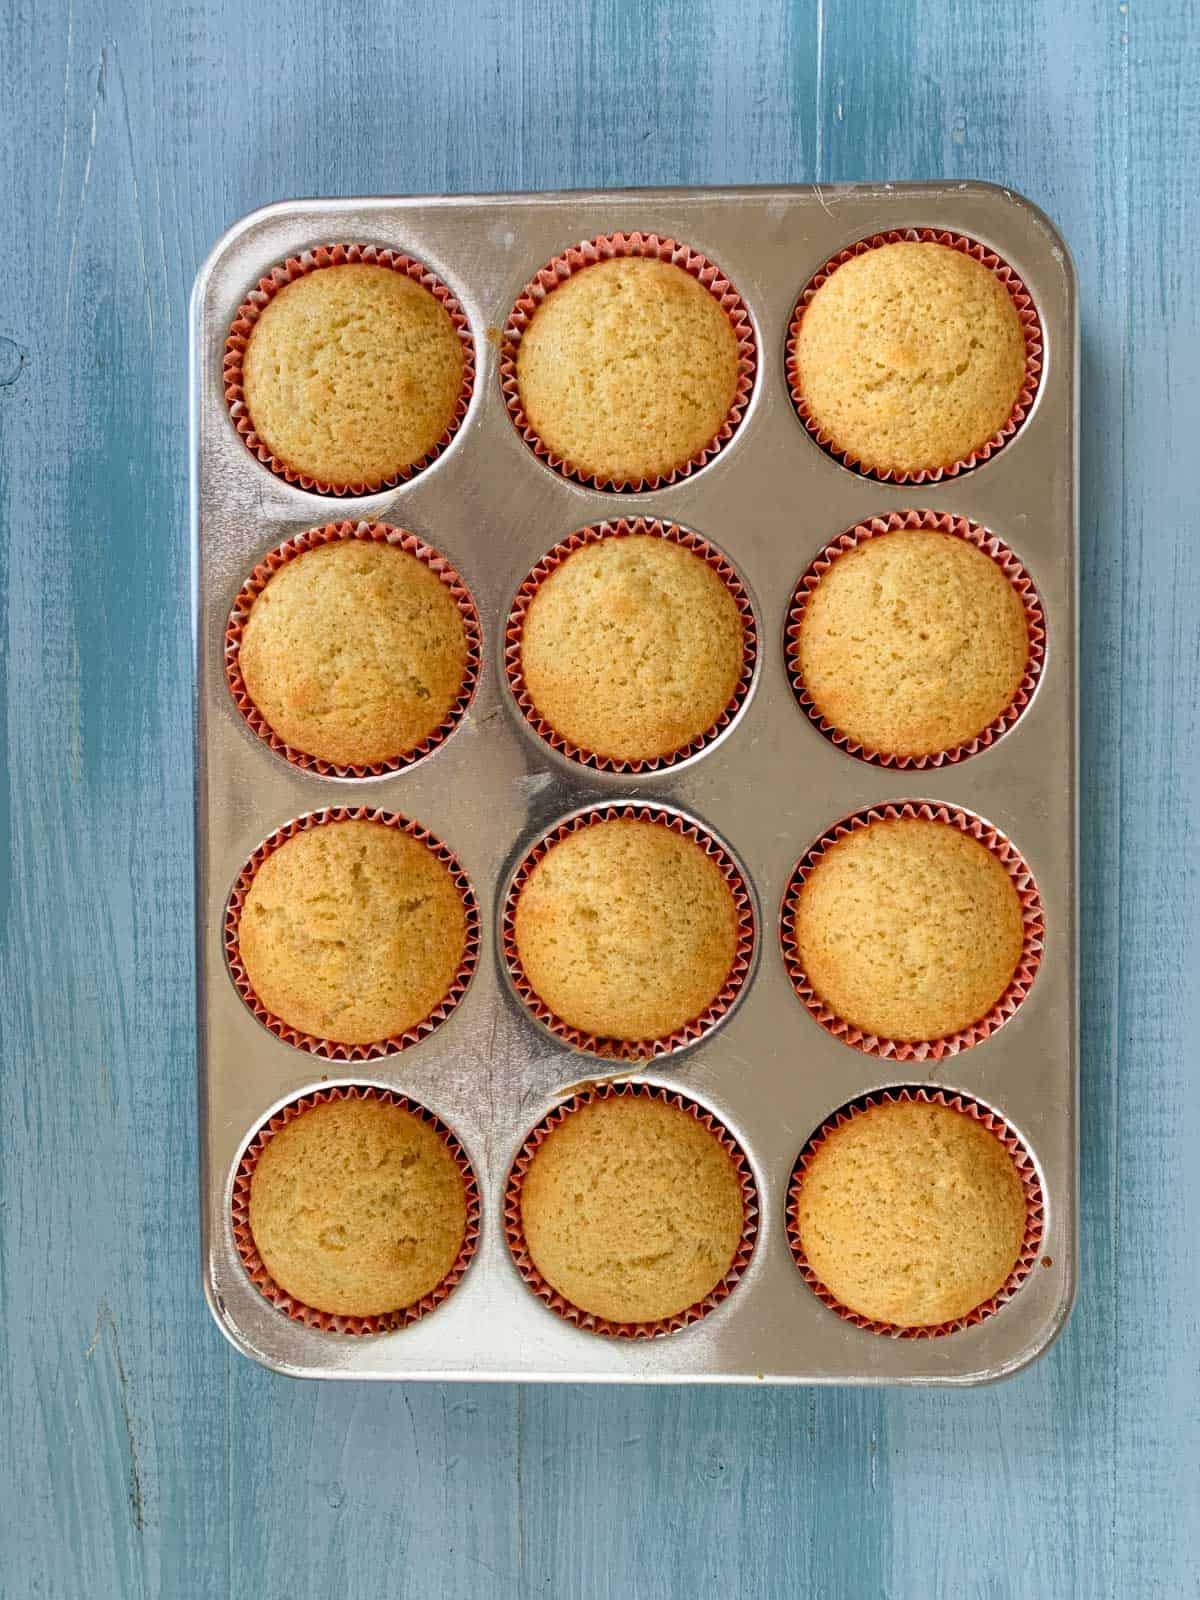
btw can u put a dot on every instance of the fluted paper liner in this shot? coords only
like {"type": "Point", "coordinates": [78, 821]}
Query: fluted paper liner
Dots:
{"type": "Point", "coordinates": [332, 1049]}
{"type": "Point", "coordinates": [1030, 324]}
{"type": "Point", "coordinates": [515, 1233]}
{"type": "Point", "coordinates": [620, 528]}
{"type": "Point", "coordinates": [367, 533]}
{"type": "Point", "coordinates": [697, 1027]}
{"type": "Point", "coordinates": [330, 1322]}
{"type": "Point", "coordinates": [1031, 950]}
{"type": "Point", "coordinates": [1026, 1171]}
{"type": "Point", "coordinates": [606, 248]}
{"type": "Point", "coordinates": [256, 301]}
{"type": "Point", "coordinates": [982, 539]}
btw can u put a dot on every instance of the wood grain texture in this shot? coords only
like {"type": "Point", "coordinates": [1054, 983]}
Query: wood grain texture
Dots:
{"type": "Point", "coordinates": [143, 1457]}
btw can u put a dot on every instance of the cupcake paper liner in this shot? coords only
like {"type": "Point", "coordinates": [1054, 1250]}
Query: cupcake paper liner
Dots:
{"type": "Point", "coordinates": [1030, 323]}
{"type": "Point", "coordinates": [515, 1233]}
{"type": "Point", "coordinates": [1031, 951]}
{"type": "Point", "coordinates": [607, 248]}
{"type": "Point", "coordinates": [332, 1049]}
{"type": "Point", "coordinates": [697, 1027]}
{"type": "Point", "coordinates": [330, 1322]}
{"type": "Point", "coordinates": [368, 533]}
{"type": "Point", "coordinates": [1012, 569]}
{"type": "Point", "coordinates": [620, 528]}
{"type": "Point", "coordinates": [256, 301]}
{"type": "Point", "coordinates": [1026, 1171]}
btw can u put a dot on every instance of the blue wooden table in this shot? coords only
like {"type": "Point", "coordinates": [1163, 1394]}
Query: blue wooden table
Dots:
{"type": "Point", "coordinates": [143, 1457]}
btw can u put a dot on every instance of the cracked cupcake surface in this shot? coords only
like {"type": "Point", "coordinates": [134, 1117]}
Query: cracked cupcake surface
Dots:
{"type": "Point", "coordinates": [352, 374]}
{"type": "Point", "coordinates": [357, 1207]}
{"type": "Point", "coordinates": [631, 1209]}
{"type": "Point", "coordinates": [352, 931]}
{"type": "Point", "coordinates": [626, 929]}
{"type": "Point", "coordinates": [628, 368]}
{"type": "Point", "coordinates": [910, 356]}
{"type": "Point", "coordinates": [354, 653]}
{"type": "Point", "coordinates": [908, 929]}
{"type": "Point", "coordinates": [912, 642]}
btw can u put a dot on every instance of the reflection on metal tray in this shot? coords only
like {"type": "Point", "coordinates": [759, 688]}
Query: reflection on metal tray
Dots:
{"type": "Point", "coordinates": [769, 787]}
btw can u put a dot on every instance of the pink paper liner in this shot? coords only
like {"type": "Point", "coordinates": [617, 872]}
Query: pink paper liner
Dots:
{"type": "Point", "coordinates": [514, 1230]}
{"type": "Point", "coordinates": [332, 1049]}
{"type": "Point", "coordinates": [1030, 323]}
{"type": "Point", "coordinates": [1012, 569]}
{"type": "Point", "coordinates": [256, 301]}
{"type": "Point", "coordinates": [328, 1321]}
{"type": "Point", "coordinates": [368, 533]}
{"type": "Point", "coordinates": [620, 528]}
{"type": "Point", "coordinates": [697, 1027]}
{"type": "Point", "coordinates": [1026, 1171]}
{"type": "Point", "coordinates": [606, 248]}
{"type": "Point", "coordinates": [1031, 952]}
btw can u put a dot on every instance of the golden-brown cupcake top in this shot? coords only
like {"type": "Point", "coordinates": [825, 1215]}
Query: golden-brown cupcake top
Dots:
{"type": "Point", "coordinates": [632, 1209]}
{"type": "Point", "coordinates": [626, 929]}
{"type": "Point", "coordinates": [911, 1214]}
{"type": "Point", "coordinates": [910, 356]}
{"type": "Point", "coordinates": [628, 368]}
{"type": "Point", "coordinates": [632, 648]}
{"type": "Point", "coordinates": [912, 642]}
{"type": "Point", "coordinates": [352, 373]}
{"type": "Point", "coordinates": [357, 1208]}
{"type": "Point", "coordinates": [355, 652]}
{"type": "Point", "coordinates": [352, 931]}
{"type": "Point", "coordinates": [909, 928]}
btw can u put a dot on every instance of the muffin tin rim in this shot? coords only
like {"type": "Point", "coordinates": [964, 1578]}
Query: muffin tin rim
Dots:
{"type": "Point", "coordinates": [292, 508]}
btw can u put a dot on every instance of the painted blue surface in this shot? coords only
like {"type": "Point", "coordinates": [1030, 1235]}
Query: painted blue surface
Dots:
{"type": "Point", "coordinates": [143, 1457]}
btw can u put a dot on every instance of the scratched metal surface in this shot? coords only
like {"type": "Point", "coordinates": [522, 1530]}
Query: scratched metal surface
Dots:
{"type": "Point", "coordinates": [142, 1456]}
{"type": "Point", "coordinates": [770, 500]}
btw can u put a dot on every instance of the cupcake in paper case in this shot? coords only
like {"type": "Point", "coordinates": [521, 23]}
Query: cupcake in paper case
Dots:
{"type": "Point", "coordinates": [915, 639]}
{"type": "Point", "coordinates": [352, 933]}
{"type": "Point", "coordinates": [631, 645]}
{"type": "Point", "coordinates": [628, 931]}
{"type": "Point", "coordinates": [628, 362]}
{"type": "Point", "coordinates": [914, 355]}
{"type": "Point", "coordinates": [631, 1211]}
{"type": "Point", "coordinates": [355, 1210]}
{"type": "Point", "coordinates": [912, 931]}
{"type": "Point", "coordinates": [353, 649]}
{"type": "Point", "coordinates": [348, 369]}
{"type": "Point", "coordinates": [915, 1213]}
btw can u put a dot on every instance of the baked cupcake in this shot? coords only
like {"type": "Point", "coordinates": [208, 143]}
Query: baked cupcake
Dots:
{"type": "Point", "coordinates": [353, 932]}
{"type": "Point", "coordinates": [911, 642]}
{"type": "Point", "coordinates": [352, 374]}
{"type": "Point", "coordinates": [630, 1209]}
{"type": "Point", "coordinates": [907, 928]}
{"type": "Point", "coordinates": [628, 369]}
{"type": "Point", "coordinates": [628, 930]}
{"type": "Point", "coordinates": [909, 1214]}
{"type": "Point", "coordinates": [909, 357]}
{"type": "Point", "coordinates": [631, 648]}
{"type": "Point", "coordinates": [358, 1207]}
{"type": "Point", "coordinates": [357, 652]}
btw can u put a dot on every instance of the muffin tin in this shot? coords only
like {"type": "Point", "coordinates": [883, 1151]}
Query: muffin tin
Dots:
{"type": "Point", "coordinates": [768, 786]}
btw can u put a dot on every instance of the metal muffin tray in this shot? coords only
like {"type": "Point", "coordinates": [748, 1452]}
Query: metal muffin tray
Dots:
{"type": "Point", "coordinates": [769, 500]}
